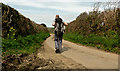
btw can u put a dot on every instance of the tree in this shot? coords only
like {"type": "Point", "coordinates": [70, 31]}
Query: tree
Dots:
{"type": "Point", "coordinates": [43, 25]}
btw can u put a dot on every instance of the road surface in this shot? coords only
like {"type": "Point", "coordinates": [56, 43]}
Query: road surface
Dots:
{"type": "Point", "coordinates": [89, 57]}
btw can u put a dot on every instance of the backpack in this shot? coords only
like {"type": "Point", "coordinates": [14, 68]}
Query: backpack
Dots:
{"type": "Point", "coordinates": [59, 27]}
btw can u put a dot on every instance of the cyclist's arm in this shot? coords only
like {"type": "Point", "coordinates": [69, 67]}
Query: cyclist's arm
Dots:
{"type": "Point", "coordinates": [65, 24]}
{"type": "Point", "coordinates": [53, 24]}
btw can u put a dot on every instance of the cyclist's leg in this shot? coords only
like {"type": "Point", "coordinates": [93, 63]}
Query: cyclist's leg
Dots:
{"type": "Point", "coordinates": [56, 42]}
{"type": "Point", "coordinates": [60, 43]}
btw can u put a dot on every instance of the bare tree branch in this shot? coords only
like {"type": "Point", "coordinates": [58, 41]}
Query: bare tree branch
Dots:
{"type": "Point", "coordinates": [110, 5]}
{"type": "Point", "coordinates": [97, 6]}
{"type": "Point", "coordinates": [8, 9]}
{"type": "Point", "coordinates": [10, 20]}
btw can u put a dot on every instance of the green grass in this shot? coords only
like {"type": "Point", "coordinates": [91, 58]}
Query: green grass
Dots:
{"type": "Point", "coordinates": [110, 43]}
{"type": "Point", "coordinates": [28, 44]}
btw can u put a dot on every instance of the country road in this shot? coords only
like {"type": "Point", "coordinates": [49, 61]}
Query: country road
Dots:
{"type": "Point", "coordinates": [89, 57]}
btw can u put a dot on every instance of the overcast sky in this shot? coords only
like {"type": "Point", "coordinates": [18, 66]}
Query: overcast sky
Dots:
{"type": "Point", "coordinates": [44, 11]}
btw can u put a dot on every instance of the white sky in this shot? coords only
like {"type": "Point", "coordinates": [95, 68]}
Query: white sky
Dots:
{"type": "Point", "coordinates": [57, 0]}
{"type": "Point", "coordinates": [44, 11]}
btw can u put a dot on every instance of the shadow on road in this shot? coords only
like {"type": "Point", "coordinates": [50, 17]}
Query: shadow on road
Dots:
{"type": "Point", "coordinates": [65, 49]}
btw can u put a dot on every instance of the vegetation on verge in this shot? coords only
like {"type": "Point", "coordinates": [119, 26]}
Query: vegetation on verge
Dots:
{"type": "Point", "coordinates": [23, 26]}
{"type": "Point", "coordinates": [96, 28]}
{"type": "Point", "coordinates": [101, 42]}
{"type": "Point", "coordinates": [28, 44]}
{"type": "Point", "coordinates": [20, 34]}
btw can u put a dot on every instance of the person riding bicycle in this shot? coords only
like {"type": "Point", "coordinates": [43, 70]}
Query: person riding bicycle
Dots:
{"type": "Point", "coordinates": [58, 31]}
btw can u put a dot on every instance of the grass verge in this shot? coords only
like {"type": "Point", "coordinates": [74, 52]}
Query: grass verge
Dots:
{"type": "Point", "coordinates": [28, 44]}
{"type": "Point", "coordinates": [110, 44]}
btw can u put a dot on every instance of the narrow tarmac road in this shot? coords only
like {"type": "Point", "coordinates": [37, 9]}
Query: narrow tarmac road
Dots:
{"type": "Point", "coordinates": [89, 57]}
